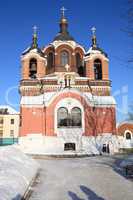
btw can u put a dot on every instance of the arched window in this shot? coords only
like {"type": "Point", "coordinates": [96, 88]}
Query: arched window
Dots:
{"type": "Point", "coordinates": [62, 117]}
{"type": "Point", "coordinates": [76, 117]}
{"type": "Point", "coordinates": [33, 68]}
{"type": "Point", "coordinates": [128, 136]}
{"type": "Point", "coordinates": [78, 60]}
{"type": "Point", "coordinates": [69, 120]}
{"type": "Point", "coordinates": [79, 65]}
{"type": "Point", "coordinates": [98, 69]}
{"type": "Point", "coordinates": [50, 60]}
{"type": "Point", "coordinates": [64, 58]}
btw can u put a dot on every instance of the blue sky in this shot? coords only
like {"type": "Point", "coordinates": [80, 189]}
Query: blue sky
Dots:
{"type": "Point", "coordinates": [18, 17]}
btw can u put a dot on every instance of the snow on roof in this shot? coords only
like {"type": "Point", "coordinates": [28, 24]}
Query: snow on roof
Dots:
{"type": "Point", "coordinates": [32, 100]}
{"type": "Point", "coordinates": [101, 100]}
{"type": "Point", "coordinates": [104, 100]}
{"type": "Point", "coordinates": [93, 51]}
{"type": "Point", "coordinates": [10, 110]}
{"type": "Point", "coordinates": [27, 49]}
{"type": "Point", "coordinates": [96, 50]}
{"type": "Point", "coordinates": [39, 100]}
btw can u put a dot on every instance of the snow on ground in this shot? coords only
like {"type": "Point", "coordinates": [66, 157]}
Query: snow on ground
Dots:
{"type": "Point", "coordinates": [88, 178]}
{"type": "Point", "coordinates": [16, 172]}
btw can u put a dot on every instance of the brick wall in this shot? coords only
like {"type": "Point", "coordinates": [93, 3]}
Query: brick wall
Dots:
{"type": "Point", "coordinates": [41, 120]}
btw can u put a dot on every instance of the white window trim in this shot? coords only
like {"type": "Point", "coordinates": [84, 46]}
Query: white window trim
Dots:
{"type": "Point", "coordinates": [64, 103]}
{"type": "Point", "coordinates": [128, 131]}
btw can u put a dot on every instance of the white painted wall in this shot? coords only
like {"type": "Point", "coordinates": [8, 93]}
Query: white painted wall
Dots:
{"type": "Point", "coordinates": [48, 145]}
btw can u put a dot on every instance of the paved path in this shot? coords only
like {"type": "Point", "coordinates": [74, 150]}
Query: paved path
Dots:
{"type": "Point", "coordinates": [91, 178]}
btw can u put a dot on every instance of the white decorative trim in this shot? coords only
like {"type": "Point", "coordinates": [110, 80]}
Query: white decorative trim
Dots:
{"type": "Point", "coordinates": [32, 54]}
{"type": "Point", "coordinates": [47, 98]}
{"type": "Point", "coordinates": [90, 103]}
{"type": "Point", "coordinates": [81, 78]}
{"type": "Point", "coordinates": [128, 131]}
{"type": "Point", "coordinates": [70, 43]}
{"type": "Point", "coordinates": [57, 88]}
{"type": "Point", "coordinates": [49, 78]}
{"type": "Point", "coordinates": [69, 103]}
{"type": "Point", "coordinates": [95, 54]}
{"type": "Point", "coordinates": [32, 106]}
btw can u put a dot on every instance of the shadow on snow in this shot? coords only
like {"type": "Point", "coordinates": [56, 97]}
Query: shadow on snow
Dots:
{"type": "Point", "coordinates": [17, 197]}
{"type": "Point", "coordinates": [91, 195]}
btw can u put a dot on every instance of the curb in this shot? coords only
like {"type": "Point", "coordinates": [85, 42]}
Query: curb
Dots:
{"type": "Point", "coordinates": [29, 190]}
{"type": "Point", "coordinates": [37, 156]}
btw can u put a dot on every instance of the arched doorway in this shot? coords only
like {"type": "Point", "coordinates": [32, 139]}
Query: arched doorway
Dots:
{"type": "Point", "coordinates": [128, 139]}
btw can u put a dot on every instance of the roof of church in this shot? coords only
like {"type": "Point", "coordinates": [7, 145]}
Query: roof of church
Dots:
{"type": "Point", "coordinates": [94, 49]}
{"type": "Point", "coordinates": [34, 45]}
{"type": "Point", "coordinates": [63, 34]}
{"type": "Point", "coordinates": [38, 50]}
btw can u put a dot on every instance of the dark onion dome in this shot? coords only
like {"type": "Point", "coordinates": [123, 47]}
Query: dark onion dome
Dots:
{"type": "Point", "coordinates": [34, 45]}
{"type": "Point", "coordinates": [63, 34]}
{"type": "Point", "coordinates": [63, 37]}
{"type": "Point", "coordinates": [94, 46]}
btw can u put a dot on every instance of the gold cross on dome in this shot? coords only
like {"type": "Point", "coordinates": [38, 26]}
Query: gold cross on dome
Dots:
{"type": "Point", "coordinates": [35, 29]}
{"type": "Point", "coordinates": [93, 29]}
{"type": "Point", "coordinates": [63, 11]}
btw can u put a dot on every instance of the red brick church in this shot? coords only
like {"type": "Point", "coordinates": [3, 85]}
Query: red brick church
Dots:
{"type": "Point", "coordinates": [66, 101]}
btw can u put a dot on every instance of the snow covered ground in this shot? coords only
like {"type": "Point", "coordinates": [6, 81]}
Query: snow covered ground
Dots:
{"type": "Point", "coordinates": [16, 172]}
{"type": "Point", "coordinates": [88, 178]}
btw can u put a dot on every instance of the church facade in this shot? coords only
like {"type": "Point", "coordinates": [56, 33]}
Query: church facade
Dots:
{"type": "Point", "coordinates": [66, 103]}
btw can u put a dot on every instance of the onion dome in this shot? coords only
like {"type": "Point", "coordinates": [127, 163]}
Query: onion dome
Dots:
{"type": "Point", "coordinates": [34, 44]}
{"type": "Point", "coordinates": [94, 47]}
{"type": "Point", "coordinates": [63, 34]}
